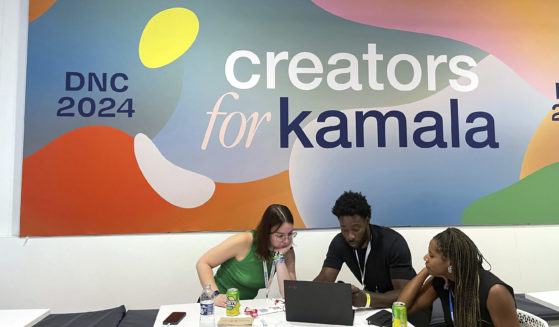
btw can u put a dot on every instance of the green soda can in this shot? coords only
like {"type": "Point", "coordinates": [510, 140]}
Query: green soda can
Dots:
{"type": "Point", "coordinates": [232, 303]}
{"type": "Point", "coordinates": [399, 315]}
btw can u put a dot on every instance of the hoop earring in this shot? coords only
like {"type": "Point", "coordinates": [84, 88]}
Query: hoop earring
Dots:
{"type": "Point", "coordinates": [450, 269]}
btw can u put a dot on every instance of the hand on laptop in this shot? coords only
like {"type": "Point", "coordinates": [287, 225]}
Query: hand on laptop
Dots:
{"type": "Point", "coordinates": [358, 297]}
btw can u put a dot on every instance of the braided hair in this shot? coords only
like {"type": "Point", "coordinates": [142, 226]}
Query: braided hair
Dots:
{"type": "Point", "coordinates": [465, 259]}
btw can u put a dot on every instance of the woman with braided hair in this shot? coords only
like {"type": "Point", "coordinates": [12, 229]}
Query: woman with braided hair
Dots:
{"type": "Point", "coordinates": [247, 260]}
{"type": "Point", "coordinates": [470, 295]}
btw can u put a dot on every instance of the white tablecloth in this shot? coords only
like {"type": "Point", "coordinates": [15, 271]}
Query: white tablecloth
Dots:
{"type": "Point", "coordinates": [277, 319]}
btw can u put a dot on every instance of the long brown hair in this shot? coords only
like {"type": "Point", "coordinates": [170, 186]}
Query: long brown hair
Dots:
{"type": "Point", "coordinates": [274, 216]}
{"type": "Point", "coordinates": [465, 259]}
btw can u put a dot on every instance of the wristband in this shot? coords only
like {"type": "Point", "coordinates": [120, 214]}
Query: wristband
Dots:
{"type": "Point", "coordinates": [279, 258]}
{"type": "Point", "coordinates": [216, 293]}
{"type": "Point", "coordinates": [368, 299]}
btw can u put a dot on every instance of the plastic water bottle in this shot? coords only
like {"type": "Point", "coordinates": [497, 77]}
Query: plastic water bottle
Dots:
{"type": "Point", "coordinates": [207, 306]}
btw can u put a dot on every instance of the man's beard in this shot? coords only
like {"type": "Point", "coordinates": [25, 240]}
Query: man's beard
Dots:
{"type": "Point", "coordinates": [360, 244]}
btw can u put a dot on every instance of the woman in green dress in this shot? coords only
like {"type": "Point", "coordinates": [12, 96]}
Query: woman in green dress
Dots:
{"type": "Point", "coordinates": [248, 260]}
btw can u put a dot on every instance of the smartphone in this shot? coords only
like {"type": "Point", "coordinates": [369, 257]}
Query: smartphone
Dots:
{"type": "Point", "coordinates": [174, 318]}
{"type": "Point", "coordinates": [381, 318]}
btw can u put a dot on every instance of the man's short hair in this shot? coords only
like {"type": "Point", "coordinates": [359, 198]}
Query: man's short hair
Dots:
{"type": "Point", "coordinates": [350, 204]}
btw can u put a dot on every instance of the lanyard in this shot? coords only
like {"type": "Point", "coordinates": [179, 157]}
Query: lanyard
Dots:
{"type": "Point", "coordinates": [451, 308]}
{"type": "Point", "coordinates": [362, 271]}
{"type": "Point", "coordinates": [267, 281]}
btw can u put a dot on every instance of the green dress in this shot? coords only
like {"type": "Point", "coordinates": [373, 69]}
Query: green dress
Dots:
{"type": "Point", "coordinates": [246, 275]}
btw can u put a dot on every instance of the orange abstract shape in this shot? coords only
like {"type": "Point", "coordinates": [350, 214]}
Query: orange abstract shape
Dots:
{"type": "Point", "coordinates": [87, 181]}
{"type": "Point", "coordinates": [543, 149]}
{"type": "Point", "coordinates": [522, 34]}
{"type": "Point", "coordinates": [39, 7]}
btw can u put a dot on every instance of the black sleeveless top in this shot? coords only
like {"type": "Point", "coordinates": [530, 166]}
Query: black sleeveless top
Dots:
{"type": "Point", "coordinates": [486, 281]}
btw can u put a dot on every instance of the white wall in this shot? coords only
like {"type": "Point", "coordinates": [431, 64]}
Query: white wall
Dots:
{"type": "Point", "coordinates": [13, 51]}
{"type": "Point", "coordinates": [69, 274]}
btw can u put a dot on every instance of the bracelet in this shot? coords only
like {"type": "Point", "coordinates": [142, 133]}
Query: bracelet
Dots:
{"type": "Point", "coordinates": [279, 258]}
{"type": "Point", "coordinates": [368, 299]}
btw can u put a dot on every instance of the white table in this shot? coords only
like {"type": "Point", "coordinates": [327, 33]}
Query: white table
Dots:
{"type": "Point", "coordinates": [549, 299]}
{"type": "Point", "coordinates": [22, 317]}
{"type": "Point", "coordinates": [266, 320]}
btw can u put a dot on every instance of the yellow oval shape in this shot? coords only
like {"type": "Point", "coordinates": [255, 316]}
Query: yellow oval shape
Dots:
{"type": "Point", "coordinates": [167, 36]}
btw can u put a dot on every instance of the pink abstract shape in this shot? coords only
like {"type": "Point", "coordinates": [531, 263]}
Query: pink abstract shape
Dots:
{"type": "Point", "coordinates": [523, 34]}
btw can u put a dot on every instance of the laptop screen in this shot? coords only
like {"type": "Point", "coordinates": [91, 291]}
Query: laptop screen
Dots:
{"type": "Point", "coordinates": [318, 302]}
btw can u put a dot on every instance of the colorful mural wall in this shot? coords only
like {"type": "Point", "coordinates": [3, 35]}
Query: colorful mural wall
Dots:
{"type": "Point", "coordinates": [169, 116]}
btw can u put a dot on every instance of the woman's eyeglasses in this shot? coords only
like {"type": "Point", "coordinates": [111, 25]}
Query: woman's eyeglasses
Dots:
{"type": "Point", "coordinates": [282, 236]}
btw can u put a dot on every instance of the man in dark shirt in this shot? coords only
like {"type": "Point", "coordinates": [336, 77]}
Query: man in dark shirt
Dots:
{"type": "Point", "coordinates": [377, 256]}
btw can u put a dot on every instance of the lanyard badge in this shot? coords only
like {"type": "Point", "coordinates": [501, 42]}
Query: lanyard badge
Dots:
{"type": "Point", "coordinates": [364, 269]}
{"type": "Point", "coordinates": [268, 280]}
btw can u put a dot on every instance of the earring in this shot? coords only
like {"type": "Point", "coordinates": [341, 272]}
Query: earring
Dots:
{"type": "Point", "coordinates": [450, 269]}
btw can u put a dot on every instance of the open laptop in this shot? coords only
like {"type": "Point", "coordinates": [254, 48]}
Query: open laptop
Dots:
{"type": "Point", "coordinates": [317, 302]}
